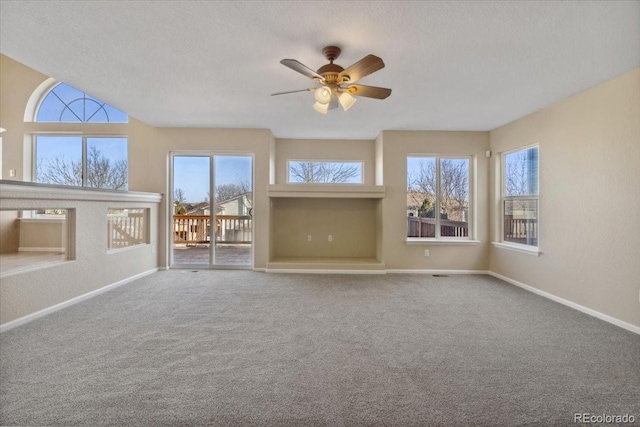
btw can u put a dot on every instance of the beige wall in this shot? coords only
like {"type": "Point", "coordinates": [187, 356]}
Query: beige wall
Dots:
{"type": "Point", "coordinates": [396, 146]}
{"type": "Point", "coordinates": [9, 232]}
{"type": "Point", "coordinates": [589, 198]}
{"type": "Point", "coordinates": [42, 234]}
{"type": "Point", "coordinates": [156, 146]}
{"type": "Point", "coordinates": [350, 222]}
{"type": "Point", "coordinates": [17, 83]}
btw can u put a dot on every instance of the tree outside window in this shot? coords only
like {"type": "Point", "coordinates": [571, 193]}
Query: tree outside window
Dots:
{"type": "Point", "coordinates": [82, 161]}
{"type": "Point", "coordinates": [318, 172]}
{"type": "Point", "coordinates": [438, 184]}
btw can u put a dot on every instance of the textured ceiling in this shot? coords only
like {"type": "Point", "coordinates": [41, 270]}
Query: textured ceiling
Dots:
{"type": "Point", "coordinates": [451, 65]}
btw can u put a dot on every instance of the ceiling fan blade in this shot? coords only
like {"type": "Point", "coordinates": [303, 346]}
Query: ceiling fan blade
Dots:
{"type": "Point", "coordinates": [291, 91]}
{"type": "Point", "coordinates": [368, 91]}
{"type": "Point", "coordinates": [301, 68]}
{"type": "Point", "coordinates": [367, 65]}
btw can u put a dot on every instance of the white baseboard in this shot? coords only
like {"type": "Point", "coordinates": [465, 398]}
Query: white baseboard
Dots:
{"type": "Point", "coordinates": [323, 271]}
{"type": "Point", "coordinates": [620, 323]}
{"type": "Point", "coordinates": [403, 271]}
{"type": "Point", "coordinates": [260, 270]}
{"type": "Point", "coordinates": [388, 271]}
{"type": "Point", "coordinates": [41, 249]}
{"type": "Point", "coordinates": [38, 314]}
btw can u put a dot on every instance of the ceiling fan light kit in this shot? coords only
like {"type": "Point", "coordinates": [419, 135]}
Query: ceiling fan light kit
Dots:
{"type": "Point", "coordinates": [336, 83]}
{"type": "Point", "coordinates": [321, 108]}
{"type": "Point", "coordinates": [346, 100]}
{"type": "Point", "coordinates": [323, 95]}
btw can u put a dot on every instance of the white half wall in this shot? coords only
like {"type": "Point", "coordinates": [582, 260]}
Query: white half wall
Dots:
{"type": "Point", "coordinates": [92, 265]}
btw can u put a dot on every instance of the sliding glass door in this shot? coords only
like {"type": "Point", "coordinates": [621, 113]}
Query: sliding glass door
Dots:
{"type": "Point", "coordinates": [232, 180]}
{"type": "Point", "coordinates": [212, 211]}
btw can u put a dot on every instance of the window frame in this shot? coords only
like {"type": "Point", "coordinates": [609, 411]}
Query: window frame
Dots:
{"type": "Point", "coordinates": [51, 86]}
{"type": "Point", "coordinates": [471, 175]}
{"type": "Point", "coordinates": [360, 162]}
{"type": "Point", "coordinates": [521, 247]}
{"type": "Point", "coordinates": [84, 136]}
{"type": "Point", "coordinates": [34, 128]}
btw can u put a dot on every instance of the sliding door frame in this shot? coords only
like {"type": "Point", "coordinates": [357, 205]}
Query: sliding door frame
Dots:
{"type": "Point", "coordinates": [212, 217]}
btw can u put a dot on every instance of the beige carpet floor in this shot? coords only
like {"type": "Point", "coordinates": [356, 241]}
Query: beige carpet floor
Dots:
{"type": "Point", "coordinates": [241, 348]}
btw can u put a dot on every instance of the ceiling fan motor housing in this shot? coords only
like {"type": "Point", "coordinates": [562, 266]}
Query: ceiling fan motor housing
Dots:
{"type": "Point", "coordinates": [331, 72]}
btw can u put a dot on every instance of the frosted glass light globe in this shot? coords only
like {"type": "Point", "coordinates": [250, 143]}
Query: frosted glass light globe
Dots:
{"type": "Point", "coordinates": [323, 95]}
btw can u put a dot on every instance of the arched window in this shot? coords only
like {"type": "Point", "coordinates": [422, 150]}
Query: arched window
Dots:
{"type": "Point", "coordinates": [94, 151]}
{"type": "Point", "coordinates": [64, 103]}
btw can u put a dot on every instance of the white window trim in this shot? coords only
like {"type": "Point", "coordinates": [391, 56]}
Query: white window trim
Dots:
{"type": "Point", "coordinates": [501, 243]}
{"type": "Point", "coordinates": [471, 239]}
{"type": "Point", "coordinates": [516, 247]}
{"type": "Point", "coordinates": [36, 98]}
{"type": "Point", "coordinates": [441, 241]}
{"type": "Point", "coordinates": [361, 162]}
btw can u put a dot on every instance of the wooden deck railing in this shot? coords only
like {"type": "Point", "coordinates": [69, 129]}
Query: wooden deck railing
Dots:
{"type": "Point", "coordinates": [126, 230]}
{"type": "Point", "coordinates": [521, 230]}
{"type": "Point", "coordinates": [195, 229]}
{"type": "Point", "coordinates": [518, 230]}
{"type": "Point", "coordinates": [426, 227]}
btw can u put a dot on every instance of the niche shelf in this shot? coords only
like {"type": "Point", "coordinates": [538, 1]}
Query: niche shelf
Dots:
{"type": "Point", "coordinates": [326, 263]}
{"type": "Point", "coordinates": [327, 191]}
{"type": "Point", "coordinates": [319, 228]}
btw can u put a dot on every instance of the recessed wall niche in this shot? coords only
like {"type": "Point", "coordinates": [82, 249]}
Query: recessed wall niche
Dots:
{"type": "Point", "coordinates": [34, 238]}
{"type": "Point", "coordinates": [324, 228]}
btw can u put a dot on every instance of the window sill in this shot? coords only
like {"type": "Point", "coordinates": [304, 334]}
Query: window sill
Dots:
{"type": "Point", "coordinates": [127, 248]}
{"type": "Point", "coordinates": [529, 250]}
{"type": "Point", "coordinates": [430, 241]}
{"type": "Point", "coordinates": [327, 191]}
{"type": "Point", "coordinates": [43, 219]}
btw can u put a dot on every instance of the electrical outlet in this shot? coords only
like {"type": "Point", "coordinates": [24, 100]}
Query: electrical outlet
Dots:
{"type": "Point", "coordinates": [12, 173]}
{"type": "Point", "coordinates": [330, 238]}
{"type": "Point", "coordinates": [426, 252]}
{"type": "Point", "coordinates": [308, 237]}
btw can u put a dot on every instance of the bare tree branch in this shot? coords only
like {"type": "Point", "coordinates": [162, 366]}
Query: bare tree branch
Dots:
{"type": "Point", "coordinates": [102, 172]}
{"type": "Point", "coordinates": [454, 188]}
{"type": "Point", "coordinates": [179, 199]}
{"type": "Point", "coordinates": [516, 175]}
{"type": "Point", "coordinates": [323, 172]}
{"type": "Point", "coordinates": [228, 191]}
{"type": "Point", "coordinates": [422, 187]}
